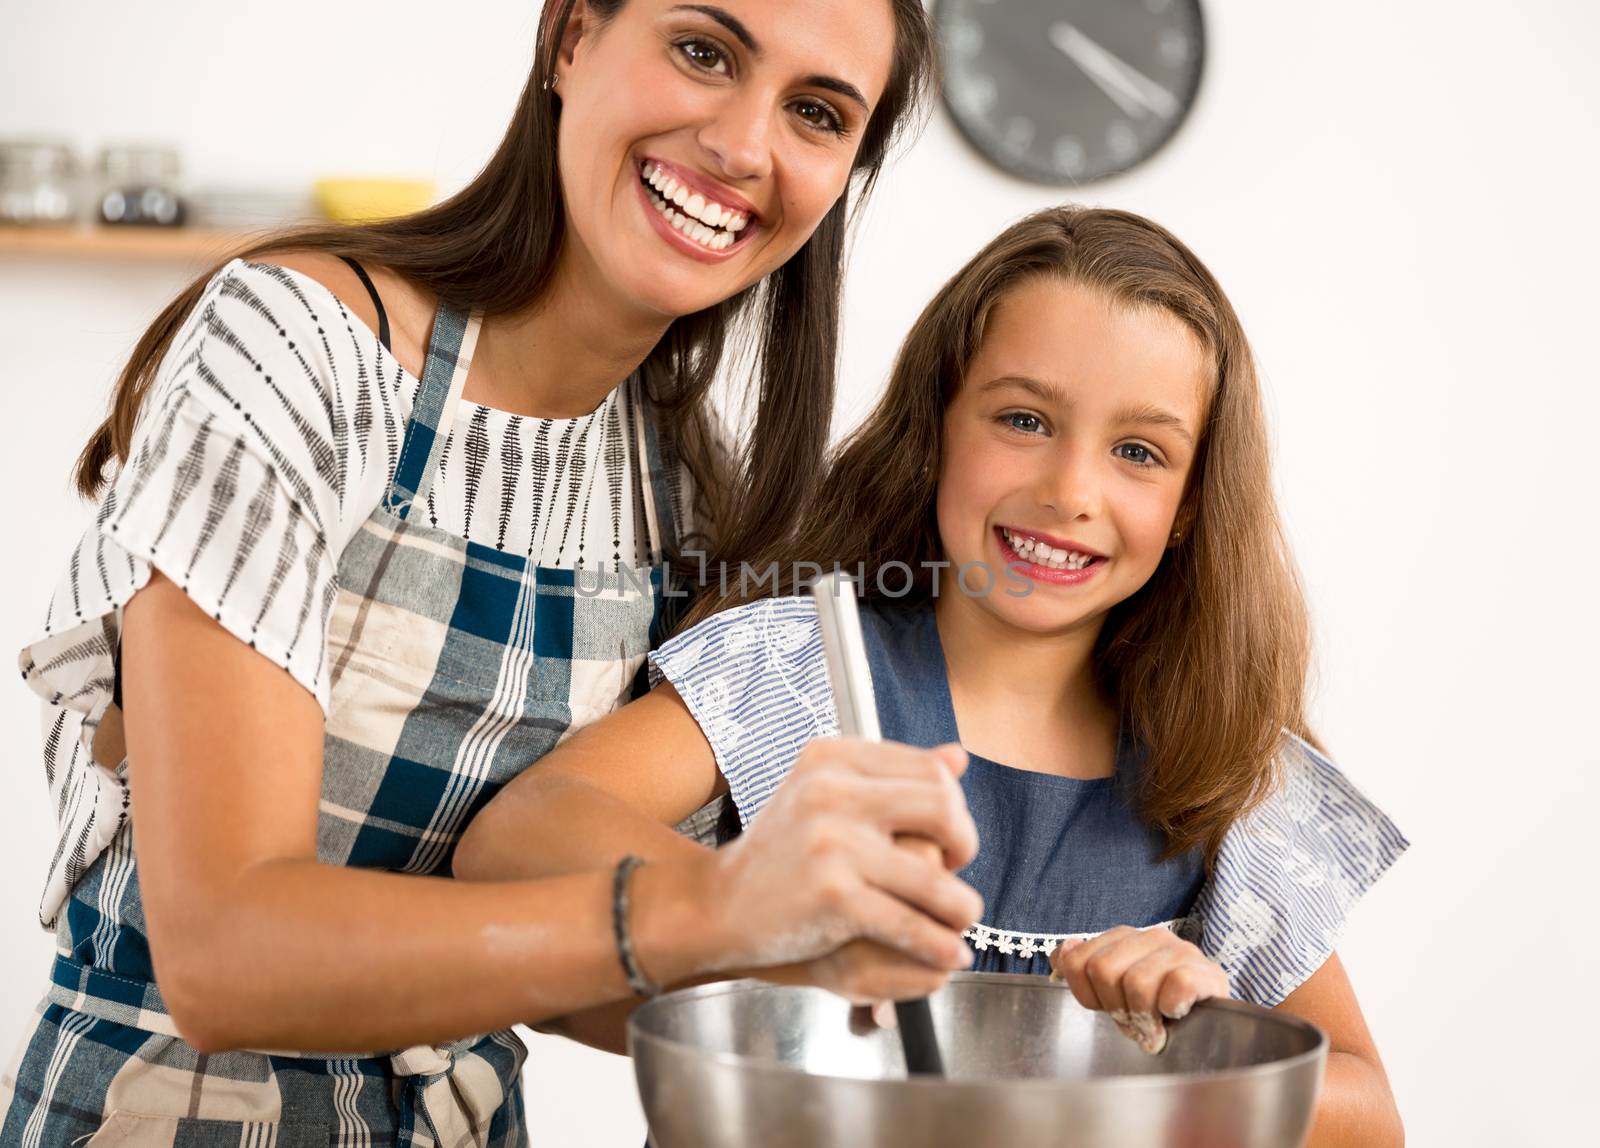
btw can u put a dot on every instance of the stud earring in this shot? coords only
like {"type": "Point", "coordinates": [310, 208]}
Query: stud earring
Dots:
{"type": "Point", "coordinates": [550, 84]}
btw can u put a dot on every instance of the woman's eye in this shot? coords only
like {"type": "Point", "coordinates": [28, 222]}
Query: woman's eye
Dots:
{"type": "Point", "coordinates": [820, 116]}
{"type": "Point", "coordinates": [704, 55]}
{"type": "Point", "coordinates": [1136, 453]}
{"type": "Point", "coordinates": [1024, 422]}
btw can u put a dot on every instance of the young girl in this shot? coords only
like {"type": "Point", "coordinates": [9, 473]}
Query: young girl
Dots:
{"type": "Point", "coordinates": [1063, 512]}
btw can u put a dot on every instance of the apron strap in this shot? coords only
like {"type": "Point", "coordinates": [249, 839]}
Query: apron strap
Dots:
{"type": "Point", "coordinates": [658, 472]}
{"type": "Point", "coordinates": [444, 377]}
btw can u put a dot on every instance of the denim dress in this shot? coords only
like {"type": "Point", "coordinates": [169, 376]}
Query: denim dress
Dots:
{"type": "Point", "coordinates": [1058, 857]}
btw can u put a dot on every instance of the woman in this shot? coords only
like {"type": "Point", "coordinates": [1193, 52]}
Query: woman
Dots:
{"type": "Point", "coordinates": [327, 607]}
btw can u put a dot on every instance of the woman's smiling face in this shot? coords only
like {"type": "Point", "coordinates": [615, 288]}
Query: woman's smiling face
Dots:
{"type": "Point", "coordinates": [1068, 450]}
{"type": "Point", "coordinates": [702, 144]}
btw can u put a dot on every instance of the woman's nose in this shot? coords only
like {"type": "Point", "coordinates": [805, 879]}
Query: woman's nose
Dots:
{"type": "Point", "coordinates": [739, 136]}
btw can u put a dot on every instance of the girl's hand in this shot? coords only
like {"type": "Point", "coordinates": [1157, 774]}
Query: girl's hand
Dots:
{"type": "Point", "coordinates": [820, 868]}
{"type": "Point", "coordinates": [1142, 977]}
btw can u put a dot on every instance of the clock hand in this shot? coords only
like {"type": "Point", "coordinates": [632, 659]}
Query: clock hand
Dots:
{"type": "Point", "coordinates": [1131, 90]}
{"type": "Point", "coordinates": [1080, 50]}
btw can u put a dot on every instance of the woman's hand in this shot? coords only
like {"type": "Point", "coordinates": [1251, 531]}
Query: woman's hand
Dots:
{"type": "Point", "coordinates": [820, 868]}
{"type": "Point", "coordinates": [1142, 977]}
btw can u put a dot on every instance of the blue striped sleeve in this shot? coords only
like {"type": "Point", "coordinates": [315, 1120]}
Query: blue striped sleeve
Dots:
{"type": "Point", "coordinates": [755, 681]}
{"type": "Point", "coordinates": [1287, 876]}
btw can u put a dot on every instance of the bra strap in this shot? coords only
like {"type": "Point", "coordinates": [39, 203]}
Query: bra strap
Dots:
{"type": "Point", "coordinates": [377, 301]}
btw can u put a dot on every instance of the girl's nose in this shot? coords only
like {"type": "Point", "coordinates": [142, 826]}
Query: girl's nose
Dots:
{"type": "Point", "coordinates": [739, 136]}
{"type": "Point", "coordinates": [1070, 485]}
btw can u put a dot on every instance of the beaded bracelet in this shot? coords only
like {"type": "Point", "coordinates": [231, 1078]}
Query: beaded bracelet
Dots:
{"type": "Point", "coordinates": [637, 981]}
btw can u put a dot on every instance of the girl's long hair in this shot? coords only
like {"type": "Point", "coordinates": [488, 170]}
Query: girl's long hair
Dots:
{"type": "Point", "coordinates": [1207, 662]}
{"type": "Point", "coordinates": [494, 246]}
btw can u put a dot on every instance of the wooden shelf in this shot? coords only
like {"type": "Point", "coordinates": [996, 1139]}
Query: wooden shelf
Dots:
{"type": "Point", "coordinates": [177, 244]}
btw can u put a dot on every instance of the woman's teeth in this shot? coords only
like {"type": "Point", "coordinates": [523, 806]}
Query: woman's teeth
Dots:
{"type": "Point", "coordinates": [1042, 554]}
{"type": "Point", "coordinates": [705, 221]}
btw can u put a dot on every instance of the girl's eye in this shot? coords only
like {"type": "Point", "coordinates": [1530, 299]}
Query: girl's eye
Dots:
{"type": "Point", "coordinates": [1136, 453]}
{"type": "Point", "coordinates": [1024, 422]}
{"type": "Point", "coordinates": [705, 55]}
{"type": "Point", "coordinates": [821, 116]}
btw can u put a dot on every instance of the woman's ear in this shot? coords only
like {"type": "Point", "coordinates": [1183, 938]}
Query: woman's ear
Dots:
{"type": "Point", "coordinates": [580, 23]}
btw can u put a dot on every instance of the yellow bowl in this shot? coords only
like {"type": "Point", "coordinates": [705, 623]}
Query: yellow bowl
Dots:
{"type": "Point", "coordinates": [364, 200]}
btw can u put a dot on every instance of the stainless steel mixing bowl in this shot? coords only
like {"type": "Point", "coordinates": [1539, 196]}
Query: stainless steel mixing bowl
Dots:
{"type": "Point", "coordinates": [752, 1065]}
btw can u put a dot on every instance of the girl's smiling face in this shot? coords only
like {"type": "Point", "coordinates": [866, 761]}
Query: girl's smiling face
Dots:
{"type": "Point", "coordinates": [1074, 429]}
{"type": "Point", "coordinates": [702, 144]}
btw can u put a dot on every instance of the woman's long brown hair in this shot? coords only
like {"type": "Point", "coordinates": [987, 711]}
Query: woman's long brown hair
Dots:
{"type": "Point", "coordinates": [1207, 662]}
{"type": "Point", "coordinates": [494, 246]}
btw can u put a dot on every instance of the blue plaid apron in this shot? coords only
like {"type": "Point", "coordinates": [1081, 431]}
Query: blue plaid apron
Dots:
{"type": "Point", "coordinates": [454, 667]}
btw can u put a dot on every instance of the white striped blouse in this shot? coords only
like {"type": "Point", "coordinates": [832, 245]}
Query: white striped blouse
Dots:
{"type": "Point", "coordinates": [270, 433]}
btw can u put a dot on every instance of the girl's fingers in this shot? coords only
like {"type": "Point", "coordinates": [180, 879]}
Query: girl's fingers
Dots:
{"type": "Point", "coordinates": [1142, 980]}
{"type": "Point", "coordinates": [1141, 984]}
{"type": "Point", "coordinates": [1145, 1029]}
{"type": "Point", "coordinates": [1100, 963]}
{"type": "Point", "coordinates": [1067, 963]}
{"type": "Point", "coordinates": [1165, 986]}
{"type": "Point", "coordinates": [1141, 977]}
{"type": "Point", "coordinates": [1196, 980]}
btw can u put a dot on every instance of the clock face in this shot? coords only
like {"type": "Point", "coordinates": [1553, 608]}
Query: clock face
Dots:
{"type": "Point", "coordinates": [1070, 91]}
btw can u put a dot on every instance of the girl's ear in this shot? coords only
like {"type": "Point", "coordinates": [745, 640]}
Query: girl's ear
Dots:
{"type": "Point", "coordinates": [1183, 525]}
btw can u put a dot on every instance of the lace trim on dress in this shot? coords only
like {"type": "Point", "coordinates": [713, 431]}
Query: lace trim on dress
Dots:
{"type": "Point", "coordinates": [1015, 944]}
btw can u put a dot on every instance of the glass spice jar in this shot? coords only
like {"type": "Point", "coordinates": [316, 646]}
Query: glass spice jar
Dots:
{"type": "Point", "coordinates": [139, 186]}
{"type": "Point", "coordinates": [38, 182]}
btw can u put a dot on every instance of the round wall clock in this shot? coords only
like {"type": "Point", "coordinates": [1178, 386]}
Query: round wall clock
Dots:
{"type": "Point", "coordinates": [1070, 91]}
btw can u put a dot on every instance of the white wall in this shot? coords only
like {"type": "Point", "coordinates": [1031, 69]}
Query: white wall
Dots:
{"type": "Point", "coordinates": [1398, 198]}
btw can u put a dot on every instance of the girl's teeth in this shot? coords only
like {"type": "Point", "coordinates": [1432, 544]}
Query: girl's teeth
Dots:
{"type": "Point", "coordinates": [695, 205]}
{"type": "Point", "coordinates": [1042, 554]}
{"type": "Point", "coordinates": [680, 195]}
